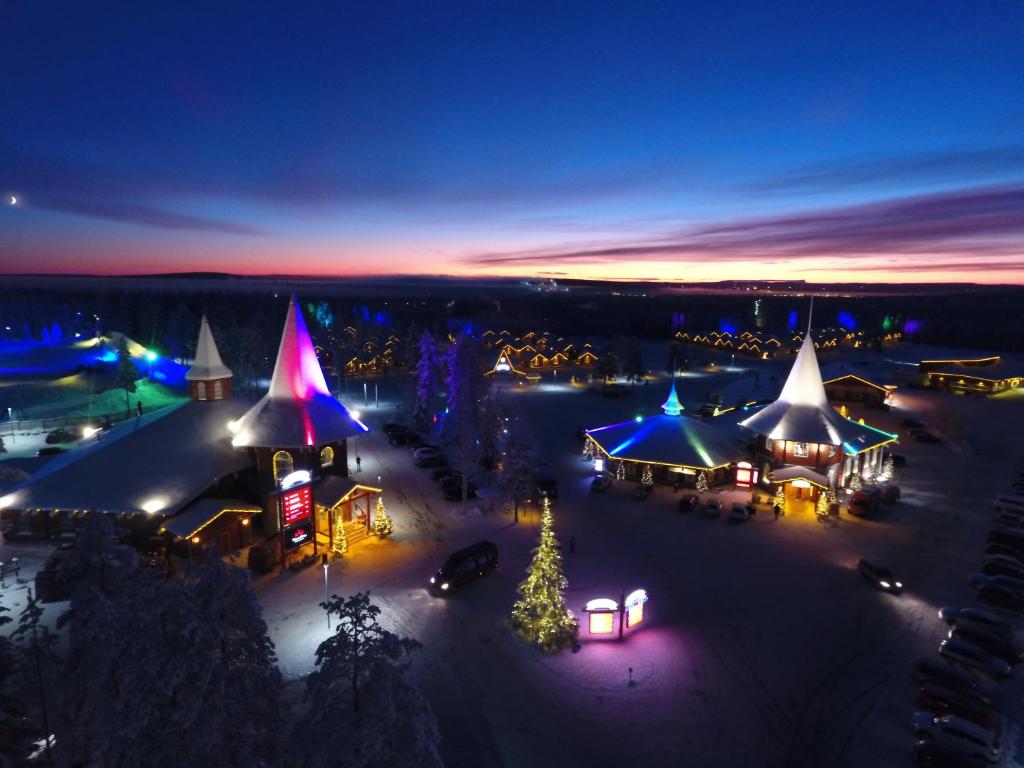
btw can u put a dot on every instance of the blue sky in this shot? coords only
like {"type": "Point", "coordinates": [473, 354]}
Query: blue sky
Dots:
{"type": "Point", "coordinates": [599, 140]}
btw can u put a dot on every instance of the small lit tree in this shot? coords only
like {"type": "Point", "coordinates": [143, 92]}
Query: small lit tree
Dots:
{"type": "Point", "coordinates": [588, 449]}
{"type": "Point", "coordinates": [822, 507]}
{"type": "Point", "coordinates": [854, 483]}
{"type": "Point", "coordinates": [339, 541]}
{"type": "Point", "coordinates": [620, 470]}
{"type": "Point", "coordinates": [702, 482]}
{"type": "Point", "coordinates": [540, 615]}
{"type": "Point", "coordinates": [647, 476]}
{"type": "Point", "coordinates": [381, 522]}
{"type": "Point", "coordinates": [888, 469]}
{"type": "Point", "coordinates": [780, 499]}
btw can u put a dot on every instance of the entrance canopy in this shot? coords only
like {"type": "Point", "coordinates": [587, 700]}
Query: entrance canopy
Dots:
{"type": "Point", "coordinates": [791, 473]}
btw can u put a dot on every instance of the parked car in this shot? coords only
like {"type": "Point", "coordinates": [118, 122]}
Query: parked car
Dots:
{"type": "Point", "coordinates": [898, 460]}
{"type": "Point", "coordinates": [392, 428]}
{"type": "Point", "coordinates": [995, 565]}
{"type": "Point", "coordinates": [976, 617]}
{"type": "Point", "coordinates": [59, 435]}
{"type": "Point", "coordinates": [431, 460]}
{"type": "Point", "coordinates": [912, 424]}
{"type": "Point", "coordinates": [928, 670]}
{"type": "Point", "coordinates": [443, 473]}
{"type": "Point", "coordinates": [641, 492]}
{"type": "Point", "coordinates": [968, 654]}
{"type": "Point", "coordinates": [928, 754]}
{"type": "Point", "coordinates": [956, 733]}
{"type": "Point", "coordinates": [880, 578]}
{"type": "Point", "coordinates": [425, 450]}
{"type": "Point", "coordinates": [712, 508]}
{"type": "Point", "coordinates": [50, 450]}
{"type": "Point", "coordinates": [465, 565]}
{"type": "Point", "coordinates": [1008, 537]}
{"type": "Point", "coordinates": [979, 580]}
{"type": "Point", "coordinates": [1003, 599]}
{"type": "Point", "coordinates": [739, 513]}
{"type": "Point", "coordinates": [601, 483]}
{"type": "Point", "coordinates": [1002, 549]}
{"type": "Point", "coordinates": [1008, 520]}
{"type": "Point", "coordinates": [398, 439]}
{"type": "Point", "coordinates": [992, 643]}
{"type": "Point", "coordinates": [689, 502]}
{"type": "Point", "coordinates": [890, 493]}
{"type": "Point", "coordinates": [945, 701]}
{"type": "Point", "coordinates": [864, 501]}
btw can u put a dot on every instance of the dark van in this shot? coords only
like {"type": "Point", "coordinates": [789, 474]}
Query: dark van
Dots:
{"type": "Point", "coordinates": [465, 565]}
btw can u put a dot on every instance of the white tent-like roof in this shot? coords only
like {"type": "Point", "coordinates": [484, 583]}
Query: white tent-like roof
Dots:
{"type": "Point", "coordinates": [802, 412]}
{"type": "Point", "coordinates": [299, 410]}
{"type": "Point", "coordinates": [207, 365]}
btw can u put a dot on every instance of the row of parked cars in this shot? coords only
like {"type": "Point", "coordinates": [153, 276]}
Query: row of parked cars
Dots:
{"type": "Point", "coordinates": [958, 723]}
{"type": "Point", "coordinates": [427, 456]}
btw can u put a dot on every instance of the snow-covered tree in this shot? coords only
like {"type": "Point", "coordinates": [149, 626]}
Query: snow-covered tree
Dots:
{"type": "Point", "coordinates": [885, 475]}
{"type": "Point", "coordinates": [360, 704]}
{"type": "Point", "coordinates": [516, 470]}
{"type": "Point", "coordinates": [16, 728]}
{"type": "Point", "coordinates": [37, 662]}
{"type": "Point", "coordinates": [466, 385]}
{"type": "Point", "coordinates": [588, 449]}
{"type": "Point", "coordinates": [127, 373]}
{"type": "Point", "coordinates": [702, 482]}
{"type": "Point", "coordinates": [854, 482]}
{"type": "Point", "coordinates": [540, 615]}
{"type": "Point", "coordinates": [427, 382]}
{"type": "Point", "coordinates": [381, 521]}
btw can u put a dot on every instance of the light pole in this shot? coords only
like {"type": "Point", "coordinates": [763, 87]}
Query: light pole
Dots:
{"type": "Point", "coordinates": [10, 420]}
{"type": "Point", "coordinates": [327, 591]}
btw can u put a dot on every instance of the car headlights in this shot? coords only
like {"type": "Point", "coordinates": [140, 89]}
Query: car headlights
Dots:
{"type": "Point", "coordinates": [444, 585]}
{"type": "Point", "coordinates": [899, 584]}
{"type": "Point", "coordinates": [885, 584]}
{"type": "Point", "coordinates": [432, 580]}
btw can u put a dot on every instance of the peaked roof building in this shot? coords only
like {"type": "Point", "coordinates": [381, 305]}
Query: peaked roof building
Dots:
{"type": "Point", "coordinates": [672, 406]}
{"type": "Point", "coordinates": [207, 364]}
{"type": "Point", "coordinates": [298, 411]}
{"type": "Point", "coordinates": [802, 412]}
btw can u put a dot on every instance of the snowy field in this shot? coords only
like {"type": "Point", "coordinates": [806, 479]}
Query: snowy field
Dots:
{"type": "Point", "coordinates": [763, 645]}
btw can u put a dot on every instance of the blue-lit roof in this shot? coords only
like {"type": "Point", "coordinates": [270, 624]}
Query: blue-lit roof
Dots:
{"type": "Point", "coordinates": [674, 440]}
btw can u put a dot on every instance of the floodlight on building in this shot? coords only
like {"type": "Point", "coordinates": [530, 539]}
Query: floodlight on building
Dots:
{"type": "Point", "coordinates": [154, 505]}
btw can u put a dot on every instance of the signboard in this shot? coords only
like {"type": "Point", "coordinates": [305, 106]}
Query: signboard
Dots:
{"type": "Point", "coordinates": [503, 365]}
{"type": "Point", "coordinates": [602, 612]}
{"type": "Point", "coordinates": [297, 536]}
{"type": "Point", "coordinates": [634, 607]}
{"type": "Point", "coordinates": [296, 505]}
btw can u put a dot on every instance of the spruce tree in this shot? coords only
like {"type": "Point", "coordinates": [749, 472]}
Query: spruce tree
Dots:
{"type": "Point", "coordinates": [127, 373]}
{"type": "Point", "coordinates": [702, 482]}
{"type": "Point", "coordinates": [647, 476]}
{"type": "Point", "coordinates": [339, 541]}
{"type": "Point", "coordinates": [540, 615]}
{"type": "Point", "coordinates": [427, 379]}
{"type": "Point", "coordinates": [382, 522]}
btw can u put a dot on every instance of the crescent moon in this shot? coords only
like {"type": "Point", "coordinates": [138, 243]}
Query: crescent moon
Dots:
{"type": "Point", "coordinates": [14, 200]}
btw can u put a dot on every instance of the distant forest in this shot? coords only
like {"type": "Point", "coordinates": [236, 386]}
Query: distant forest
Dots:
{"type": "Point", "coordinates": [247, 324]}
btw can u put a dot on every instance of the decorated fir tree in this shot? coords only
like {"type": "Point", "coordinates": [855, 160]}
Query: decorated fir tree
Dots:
{"type": "Point", "coordinates": [381, 520]}
{"type": "Point", "coordinates": [339, 541]}
{"type": "Point", "coordinates": [620, 470]}
{"type": "Point", "coordinates": [888, 468]}
{"type": "Point", "coordinates": [780, 499]}
{"type": "Point", "coordinates": [588, 449]}
{"type": "Point", "coordinates": [854, 483]}
{"type": "Point", "coordinates": [540, 615]}
{"type": "Point", "coordinates": [647, 476]}
{"type": "Point", "coordinates": [702, 482]}
{"type": "Point", "coordinates": [822, 506]}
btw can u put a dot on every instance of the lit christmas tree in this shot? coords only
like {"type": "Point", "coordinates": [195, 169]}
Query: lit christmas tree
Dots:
{"type": "Point", "coordinates": [780, 499]}
{"type": "Point", "coordinates": [854, 483]}
{"type": "Point", "coordinates": [381, 521]}
{"type": "Point", "coordinates": [702, 482]}
{"type": "Point", "coordinates": [888, 468]}
{"type": "Point", "coordinates": [339, 541]}
{"type": "Point", "coordinates": [822, 504]}
{"type": "Point", "coordinates": [620, 470]}
{"type": "Point", "coordinates": [588, 449]}
{"type": "Point", "coordinates": [540, 615]}
{"type": "Point", "coordinates": [647, 476]}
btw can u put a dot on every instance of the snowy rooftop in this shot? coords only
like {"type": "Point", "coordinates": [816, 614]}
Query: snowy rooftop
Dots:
{"type": "Point", "coordinates": [157, 463]}
{"type": "Point", "coordinates": [675, 440]}
{"type": "Point", "coordinates": [298, 410]}
{"type": "Point", "coordinates": [203, 512]}
{"type": "Point", "coordinates": [802, 411]}
{"type": "Point", "coordinates": [207, 364]}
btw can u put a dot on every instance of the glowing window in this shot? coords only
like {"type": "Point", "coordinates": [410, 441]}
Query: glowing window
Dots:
{"type": "Point", "coordinates": [799, 449]}
{"type": "Point", "coordinates": [283, 464]}
{"type": "Point", "coordinates": [218, 390]}
{"type": "Point", "coordinates": [200, 390]}
{"type": "Point", "coordinates": [602, 623]}
{"type": "Point", "coordinates": [327, 457]}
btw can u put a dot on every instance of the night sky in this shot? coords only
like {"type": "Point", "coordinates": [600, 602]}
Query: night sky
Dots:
{"type": "Point", "coordinates": [824, 141]}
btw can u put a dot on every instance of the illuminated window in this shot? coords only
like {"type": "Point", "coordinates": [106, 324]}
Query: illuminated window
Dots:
{"type": "Point", "coordinates": [200, 390]}
{"type": "Point", "coordinates": [799, 449]}
{"type": "Point", "coordinates": [283, 464]}
{"type": "Point", "coordinates": [218, 390]}
{"type": "Point", "coordinates": [327, 457]}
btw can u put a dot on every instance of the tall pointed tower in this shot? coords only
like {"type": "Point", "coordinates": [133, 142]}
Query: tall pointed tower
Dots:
{"type": "Point", "coordinates": [208, 378]}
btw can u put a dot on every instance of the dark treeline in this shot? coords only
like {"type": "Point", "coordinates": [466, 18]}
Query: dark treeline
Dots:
{"type": "Point", "coordinates": [248, 324]}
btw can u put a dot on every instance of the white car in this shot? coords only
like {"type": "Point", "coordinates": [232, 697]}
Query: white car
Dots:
{"type": "Point", "coordinates": [970, 655]}
{"type": "Point", "coordinates": [956, 733]}
{"type": "Point", "coordinates": [976, 617]}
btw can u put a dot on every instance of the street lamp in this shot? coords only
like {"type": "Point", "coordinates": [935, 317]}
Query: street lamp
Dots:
{"type": "Point", "coordinates": [327, 591]}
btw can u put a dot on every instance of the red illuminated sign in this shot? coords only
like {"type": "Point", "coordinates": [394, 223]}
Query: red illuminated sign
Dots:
{"type": "Point", "coordinates": [296, 505]}
{"type": "Point", "coordinates": [297, 536]}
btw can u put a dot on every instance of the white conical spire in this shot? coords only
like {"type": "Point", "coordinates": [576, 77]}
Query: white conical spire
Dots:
{"type": "Point", "coordinates": [672, 406]}
{"type": "Point", "coordinates": [802, 412]}
{"type": "Point", "coordinates": [207, 365]}
{"type": "Point", "coordinates": [298, 410]}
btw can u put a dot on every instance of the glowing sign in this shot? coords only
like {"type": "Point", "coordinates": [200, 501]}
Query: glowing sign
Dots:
{"type": "Point", "coordinates": [297, 477]}
{"type": "Point", "coordinates": [602, 604]}
{"type": "Point", "coordinates": [744, 474]}
{"type": "Point", "coordinates": [599, 464]}
{"type": "Point", "coordinates": [634, 607]}
{"type": "Point", "coordinates": [801, 483]}
{"type": "Point", "coordinates": [602, 623]}
{"type": "Point", "coordinates": [297, 536]}
{"type": "Point", "coordinates": [502, 365]}
{"type": "Point", "coordinates": [296, 505]}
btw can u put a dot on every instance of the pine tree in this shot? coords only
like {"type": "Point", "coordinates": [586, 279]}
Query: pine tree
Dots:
{"type": "Point", "coordinates": [854, 482]}
{"type": "Point", "coordinates": [780, 499]}
{"type": "Point", "coordinates": [888, 469]}
{"type": "Point", "coordinates": [427, 380]}
{"type": "Point", "coordinates": [516, 471]}
{"type": "Point", "coordinates": [620, 470]}
{"type": "Point", "coordinates": [588, 449]}
{"type": "Point", "coordinates": [127, 373]}
{"type": "Point", "coordinates": [339, 541]}
{"type": "Point", "coordinates": [466, 389]}
{"type": "Point", "coordinates": [381, 521]}
{"type": "Point", "coordinates": [647, 476]}
{"type": "Point", "coordinates": [37, 661]}
{"type": "Point", "coordinates": [822, 505]}
{"type": "Point", "coordinates": [540, 615]}
{"type": "Point", "coordinates": [702, 482]}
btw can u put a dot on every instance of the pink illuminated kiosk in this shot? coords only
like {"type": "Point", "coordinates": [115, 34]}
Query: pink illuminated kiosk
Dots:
{"type": "Point", "coordinates": [298, 433]}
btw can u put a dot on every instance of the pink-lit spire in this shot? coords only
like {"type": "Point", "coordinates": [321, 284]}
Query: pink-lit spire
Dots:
{"type": "Point", "coordinates": [297, 372]}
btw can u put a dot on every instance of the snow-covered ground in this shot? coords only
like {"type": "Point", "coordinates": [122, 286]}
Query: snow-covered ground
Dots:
{"type": "Point", "coordinates": [763, 646]}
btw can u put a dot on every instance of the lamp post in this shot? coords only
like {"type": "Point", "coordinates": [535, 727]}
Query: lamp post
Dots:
{"type": "Point", "coordinates": [10, 420]}
{"type": "Point", "coordinates": [327, 591]}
